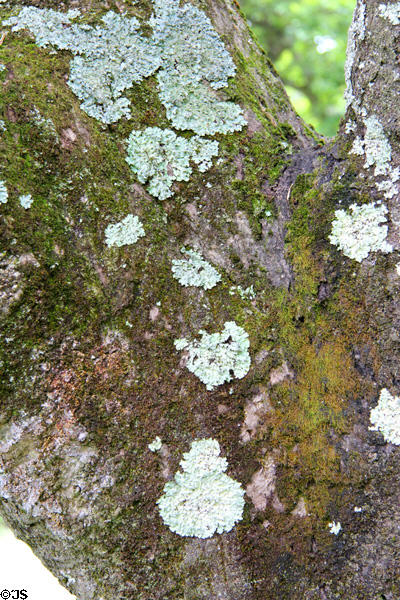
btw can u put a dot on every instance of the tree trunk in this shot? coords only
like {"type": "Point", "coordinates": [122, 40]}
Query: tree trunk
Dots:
{"type": "Point", "coordinates": [91, 375]}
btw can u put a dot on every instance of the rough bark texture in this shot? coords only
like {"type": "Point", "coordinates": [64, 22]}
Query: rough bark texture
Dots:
{"type": "Point", "coordinates": [90, 373]}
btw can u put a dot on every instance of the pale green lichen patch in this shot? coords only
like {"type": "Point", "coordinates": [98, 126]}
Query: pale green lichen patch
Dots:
{"type": "Point", "coordinates": [128, 231]}
{"type": "Point", "coordinates": [194, 106]}
{"type": "Point", "coordinates": [50, 27]}
{"type": "Point", "coordinates": [46, 125]}
{"type": "Point", "coordinates": [356, 34]}
{"type": "Point", "coordinates": [99, 86]}
{"type": "Point", "coordinates": [26, 201]}
{"type": "Point", "coordinates": [245, 293]}
{"type": "Point", "coordinates": [391, 12]}
{"type": "Point", "coordinates": [187, 39]}
{"type": "Point", "coordinates": [161, 157]}
{"type": "Point", "coordinates": [191, 64]}
{"type": "Point", "coordinates": [194, 60]}
{"type": "Point", "coordinates": [389, 187]}
{"type": "Point", "coordinates": [334, 527]}
{"type": "Point", "coordinates": [109, 59]}
{"type": "Point", "coordinates": [378, 154]}
{"type": "Point", "coordinates": [202, 500]}
{"type": "Point", "coordinates": [385, 417]}
{"type": "Point", "coordinates": [194, 270]}
{"type": "Point", "coordinates": [361, 232]}
{"type": "Point", "coordinates": [155, 445]}
{"type": "Point", "coordinates": [3, 193]}
{"type": "Point", "coordinates": [218, 357]}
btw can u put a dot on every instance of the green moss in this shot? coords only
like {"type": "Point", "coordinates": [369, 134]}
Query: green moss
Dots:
{"type": "Point", "coordinates": [253, 70]}
{"type": "Point", "coordinates": [260, 157]}
{"type": "Point", "coordinates": [310, 406]}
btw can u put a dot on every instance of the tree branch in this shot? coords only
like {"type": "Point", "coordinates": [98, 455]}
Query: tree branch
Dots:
{"type": "Point", "coordinates": [91, 371]}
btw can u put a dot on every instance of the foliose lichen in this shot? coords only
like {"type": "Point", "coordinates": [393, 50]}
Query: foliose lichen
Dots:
{"type": "Point", "coordinates": [108, 59]}
{"type": "Point", "coordinates": [3, 193]}
{"type": "Point", "coordinates": [191, 63]}
{"type": "Point", "coordinates": [361, 232]}
{"type": "Point", "coordinates": [194, 106]}
{"type": "Point", "coordinates": [334, 527]}
{"type": "Point", "coordinates": [187, 39]}
{"type": "Point", "coordinates": [350, 126]}
{"type": "Point", "coordinates": [26, 201]}
{"type": "Point", "coordinates": [46, 125]}
{"type": "Point", "coordinates": [391, 12]}
{"type": "Point", "coordinates": [195, 271]}
{"type": "Point", "coordinates": [385, 417]}
{"type": "Point", "coordinates": [202, 500]}
{"type": "Point", "coordinates": [49, 27]}
{"type": "Point", "coordinates": [358, 146]}
{"type": "Point", "coordinates": [356, 33]}
{"type": "Point", "coordinates": [155, 445]}
{"type": "Point", "coordinates": [217, 357]}
{"type": "Point", "coordinates": [378, 154]}
{"type": "Point", "coordinates": [194, 60]}
{"type": "Point", "coordinates": [127, 231]}
{"type": "Point", "coordinates": [245, 293]}
{"type": "Point", "coordinates": [162, 157]}
{"type": "Point", "coordinates": [376, 146]}
{"type": "Point", "coordinates": [100, 86]}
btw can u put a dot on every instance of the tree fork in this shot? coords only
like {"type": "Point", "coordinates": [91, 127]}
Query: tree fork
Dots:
{"type": "Point", "coordinates": [90, 372]}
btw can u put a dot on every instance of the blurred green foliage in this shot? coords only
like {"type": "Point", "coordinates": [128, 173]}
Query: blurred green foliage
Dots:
{"type": "Point", "coordinates": [306, 40]}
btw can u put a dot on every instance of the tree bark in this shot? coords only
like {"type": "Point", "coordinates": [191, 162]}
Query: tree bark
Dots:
{"type": "Point", "coordinates": [90, 372]}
